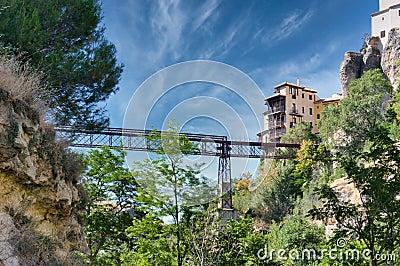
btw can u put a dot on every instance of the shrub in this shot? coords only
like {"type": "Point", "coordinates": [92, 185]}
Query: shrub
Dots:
{"type": "Point", "coordinates": [23, 82]}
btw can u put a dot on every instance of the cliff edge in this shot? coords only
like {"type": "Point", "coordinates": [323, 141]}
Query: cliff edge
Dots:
{"type": "Point", "coordinates": [355, 64]}
{"type": "Point", "coordinates": [40, 200]}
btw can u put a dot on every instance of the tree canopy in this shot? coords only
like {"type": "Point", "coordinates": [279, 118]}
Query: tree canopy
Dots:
{"type": "Point", "coordinates": [65, 40]}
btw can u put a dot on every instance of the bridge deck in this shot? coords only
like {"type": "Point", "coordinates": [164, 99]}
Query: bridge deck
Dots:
{"type": "Point", "coordinates": [209, 145]}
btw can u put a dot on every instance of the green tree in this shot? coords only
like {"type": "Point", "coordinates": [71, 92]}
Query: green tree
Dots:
{"type": "Point", "coordinates": [359, 113]}
{"type": "Point", "coordinates": [310, 159]}
{"type": "Point", "coordinates": [153, 245]}
{"type": "Point", "coordinates": [301, 132]}
{"type": "Point", "coordinates": [111, 205]}
{"type": "Point", "coordinates": [369, 158]}
{"type": "Point", "coordinates": [240, 243]}
{"type": "Point", "coordinates": [65, 40]}
{"type": "Point", "coordinates": [276, 195]}
{"type": "Point", "coordinates": [375, 221]}
{"type": "Point", "coordinates": [294, 235]}
{"type": "Point", "coordinates": [169, 188]}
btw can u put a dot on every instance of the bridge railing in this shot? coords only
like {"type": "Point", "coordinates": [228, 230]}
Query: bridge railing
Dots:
{"type": "Point", "coordinates": [208, 145]}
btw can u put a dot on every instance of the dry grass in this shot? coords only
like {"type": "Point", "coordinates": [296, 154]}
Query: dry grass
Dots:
{"type": "Point", "coordinates": [23, 82]}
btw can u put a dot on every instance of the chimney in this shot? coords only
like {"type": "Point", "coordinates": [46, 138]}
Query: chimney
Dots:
{"type": "Point", "coordinates": [298, 82]}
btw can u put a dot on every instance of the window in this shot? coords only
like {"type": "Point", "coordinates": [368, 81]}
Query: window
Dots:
{"type": "Point", "coordinates": [383, 18]}
{"type": "Point", "coordinates": [317, 106]}
{"type": "Point", "coordinates": [310, 111]}
{"type": "Point", "coordinates": [399, 12]}
{"type": "Point", "coordinates": [302, 109]}
{"type": "Point", "coordinates": [311, 124]}
{"type": "Point", "coordinates": [290, 90]}
{"type": "Point", "coordinates": [302, 95]}
{"type": "Point", "coordinates": [318, 116]}
{"type": "Point", "coordinates": [383, 34]}
{"type": "Point", "coordinates": [310, 97]}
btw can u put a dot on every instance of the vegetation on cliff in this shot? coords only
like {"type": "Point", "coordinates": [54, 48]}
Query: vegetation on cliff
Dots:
{"type": "Point", "coordinates": [65, 40]}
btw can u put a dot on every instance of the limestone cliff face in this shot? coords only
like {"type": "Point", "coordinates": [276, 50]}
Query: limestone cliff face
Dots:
{"type": "Point", "coordinates": [355, 64]}
{"type": "Point", "coordinates": [391, 56]}
{"type": "Point", "coordinates": [40, 202]}
{"type": "Point", "coordinates": [350, 69]}
{"type": "Point", "coordinates": [346, 192]}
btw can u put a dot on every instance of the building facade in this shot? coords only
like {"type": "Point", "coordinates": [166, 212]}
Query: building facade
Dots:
{"type": "Point", "coordinates": [321, 104]}
{"type": "Point", "coordinates": [289, 105]}
{"type": "Point", "coordinates": [387, 18]}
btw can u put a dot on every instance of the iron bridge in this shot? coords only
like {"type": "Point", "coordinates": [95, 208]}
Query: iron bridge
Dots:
{"type": "Point", "coordinates": [208, 145]}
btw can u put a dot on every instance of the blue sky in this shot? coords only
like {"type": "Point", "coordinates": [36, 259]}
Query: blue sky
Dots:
{"type": "Point", "coordinates": [271, 41]}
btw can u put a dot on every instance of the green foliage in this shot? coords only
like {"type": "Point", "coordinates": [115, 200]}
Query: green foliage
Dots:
{"type": "Point", "coordinates": [374, 172]}
{"type": "Point", "coordinates": [360, 112]}
{"type": "Point", "coordinates": [294, 235]}
{"type": "Point", "coordinates": [153, 245]}
{"type": "Point", "coordinates": [240, 243]}
{"type": "Point", "coordinates": [169, 188]}
{"type": "Point", "coordinates": [242, 198]}
{"type": "Point", "coordinates": [111, 190]}
{"type": "Point", "coordinates": [301, 132]}
{"type": "Point", "coordinates": [276, 195]}
{"type": "Point", "coordinates": [67, 42]}
{"type": "Point", "coordinates": [204, 232]}
{"type": "Point", "coordinates": [308, 158]}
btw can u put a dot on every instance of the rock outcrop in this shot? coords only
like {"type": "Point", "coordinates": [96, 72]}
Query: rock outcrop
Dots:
{"type": "Point", "coordinates": [346, 192]}
{"type": "Point", "coordinates": [350, 69]}
{"type": "Point", "coordinates": [40, 200]}
{"type": "Point", "coordinates": [391, 56]}
{"type": "Point", "coordinates": [355, 64]}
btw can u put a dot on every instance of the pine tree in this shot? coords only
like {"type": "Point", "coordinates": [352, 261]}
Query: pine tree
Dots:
{"type": "Point", "coordinates": [66, 41]}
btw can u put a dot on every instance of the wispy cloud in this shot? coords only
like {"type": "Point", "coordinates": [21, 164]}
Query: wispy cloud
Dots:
{"type": "Point", "coordinates": [167, 22]}
{"type": "Point", "coordinates": [287, 27]}
{"type": "Point", "coordinates": [310, 68]}
{"type": "Point", "coordinates": [230, 37]}
{"type": "Point", "coordinates": [206, 11]}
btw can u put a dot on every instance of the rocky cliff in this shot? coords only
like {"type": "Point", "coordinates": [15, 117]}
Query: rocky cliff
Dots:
{"type": "Point", "coordinates": [355, 64]}
{"type": "Point", "coordinates": [40, 200]}
{"type": "Point", "coordinates": [391, 56]}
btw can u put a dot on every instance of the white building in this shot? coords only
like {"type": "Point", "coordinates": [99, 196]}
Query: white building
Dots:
{"type": "Point", "coordinates": [387, 18]}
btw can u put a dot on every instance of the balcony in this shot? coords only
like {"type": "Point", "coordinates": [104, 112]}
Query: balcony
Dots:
{"type": "Point", "coordinates": [295, 112]}
{"type": "Point", "coordinates": [272, 125]}
{"type": "Point", "coordinates": [278, 109]}
{"type": "Point", "coordinates": [275, 135]}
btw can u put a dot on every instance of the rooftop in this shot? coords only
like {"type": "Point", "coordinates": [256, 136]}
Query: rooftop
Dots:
{"type": "Point", "coordinates": [294, 85]}
{"type": "Point", "coordinates": [384, 10]}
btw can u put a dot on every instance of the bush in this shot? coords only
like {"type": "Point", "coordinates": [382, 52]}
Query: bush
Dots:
{"type": "Point", "coordinates": [23, 82]}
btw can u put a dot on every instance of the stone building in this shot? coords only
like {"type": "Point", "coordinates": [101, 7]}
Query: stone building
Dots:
{"type": "Point", "coordinates": [387, 18]}
{"type": "Point", "coordinates": [289, 105]}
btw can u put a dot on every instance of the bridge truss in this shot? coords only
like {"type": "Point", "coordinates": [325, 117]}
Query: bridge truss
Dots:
{"type": "Point", "coordinates": [208, 145]}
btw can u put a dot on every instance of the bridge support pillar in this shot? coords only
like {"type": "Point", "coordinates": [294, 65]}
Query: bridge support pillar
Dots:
{"type": "Point", "coordinates": [225, 206]}
{"type": "Point", "coordinates": [225, 182]}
